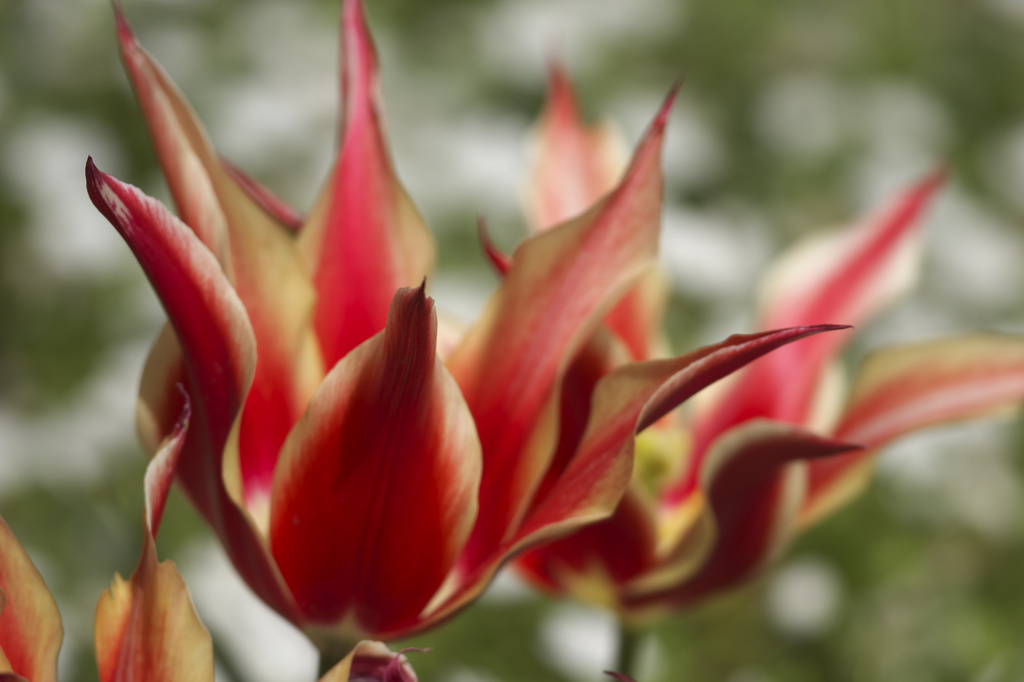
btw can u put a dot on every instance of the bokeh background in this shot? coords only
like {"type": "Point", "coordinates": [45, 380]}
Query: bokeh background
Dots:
{"type": "Point", "coordinates": [795, 115]}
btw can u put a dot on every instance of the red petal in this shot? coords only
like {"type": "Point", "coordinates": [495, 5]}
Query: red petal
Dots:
{"type": "Point", "coordinates": [365, 238]}
{"type": "Point", "coordinates": [575, 166]}
{"type": "Point", "coordinates": [219, 355]}
{"type": "Point", "coordinates": [499, 261]}
{"type": "Point", "coordinates": [258, 255]}
{"type": "Point", "coordinates": [754, 494]}
{"type": "Point", "coordinates": [619, 677]}
{"type": "Point", "coordinates": [551, 300]}
{"type": "Point", "coordinates": [617, 550]}
{"type": "Point", "coordinates": [903, 389]}
{"type": "Point", "coordinates": [30, 629]}
{"type": "Point", "coordinates": [844, 278]}
{"type": "Point", "coordinates": [625, 402]}
{"type": "Point", "coordinates": [376, 490]}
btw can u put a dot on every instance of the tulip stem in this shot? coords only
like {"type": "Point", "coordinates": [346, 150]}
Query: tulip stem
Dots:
{"type": "Point", "coordinates": [629, 645]}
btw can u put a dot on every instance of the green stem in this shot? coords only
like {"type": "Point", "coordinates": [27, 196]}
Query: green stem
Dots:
{"type": "Point", "coordinates": [629, 645]}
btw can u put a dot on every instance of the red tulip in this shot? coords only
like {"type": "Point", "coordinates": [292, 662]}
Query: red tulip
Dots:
{"type": "Point", "coordinates": [716, 497]}
{"type": "Point", "coordinates": [146, 627]}
{"type": "Point", "coordinates": [361, 485]}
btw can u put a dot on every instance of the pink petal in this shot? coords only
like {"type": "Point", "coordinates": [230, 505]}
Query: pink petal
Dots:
{"type": "Point", "coordinates": [906, 388]}
{"type": "Point", "coordinates": [365, 238]}
{"type": "Point", "coordinates": [376, 491]}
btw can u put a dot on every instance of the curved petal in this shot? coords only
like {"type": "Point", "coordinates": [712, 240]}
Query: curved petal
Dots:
{"type": "Point", "coordinates": [30, 629]}
{"type": "Point", "coordinates": [594, 561]}
{"type": "Point", "coordinates": [626, 401]}
{"type": "Point", "coordinates": [217, 358]}
{"type": "Point", "coordinates": [146, 628]}
{"type": "Point", "coordinates": [258, 255]}
{"type": "Point", "coordinates": [842, 277]}
{"type": "Point", "coordinates": [754, 491]}
{"type": "Point", "coordinates": [906, 388]}
{"type": "Point", "coordinates": [364, 239]}
{"type": "Point", "coordinates": [376, 491]}
{"type": "Point", "coordinates": [372, 662]}
{"type": "Point", "coordinates": [574, 166]}
{"type": "Point", "coordinates": [552, 298]}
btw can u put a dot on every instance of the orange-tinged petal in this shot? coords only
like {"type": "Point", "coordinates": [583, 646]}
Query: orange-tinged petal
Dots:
{"type": "Point", "coordinates": [257, 253]}
{"type": "Point", "coordinates": [30, 629]}
{"type": "Point", "coordinates": [906, 388]}
{"type": "Point", "coordinates": [364, 239]}
{"type": "Point", "coordinates": [559, 285]}
{"type": "Point", "coordinates": [146, 628]}
{"type": "Point", "coordinates": [376, 490]}
{"type": "Point", "coordinates": [217, 359]}
{"type": "Point", "coordinates": [843, 277]}
{"type": "Point", "coordinates": [754, 481]}
{"type": "Point", "coordinates": [372, 662]}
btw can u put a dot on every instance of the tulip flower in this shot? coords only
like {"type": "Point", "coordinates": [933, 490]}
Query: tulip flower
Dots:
{"type": "Point", "coordinates": [362, 485]}
{"type": "Point", "coordinates": [146, 627]}
{"type": "Point", "coordinates": [716, 496]}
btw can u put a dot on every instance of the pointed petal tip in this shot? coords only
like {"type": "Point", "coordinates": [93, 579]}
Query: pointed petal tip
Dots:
{"type": "Point", "coordinates": [357, 44]}
{"type": "Point", "coordinates": [559, 84]}
{"type": "Point", "coordinates": [353, 12]}
{"type": "Point", "coordinates": [818, 328]}
{"type": "Point", "coordinates": [499, 261]}
{"type": "Point", "coordinates": [661, 120]}
{"type": "Point", "coordinates": [618, 677]}
{"type": "Point", "coordinates": [125, 35]}
{"type": "Point", "coordinates": [95, 181]}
